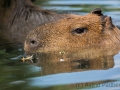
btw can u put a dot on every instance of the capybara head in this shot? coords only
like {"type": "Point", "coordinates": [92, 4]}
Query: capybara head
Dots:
{"type": "Point", "coordinates": [75, 31]}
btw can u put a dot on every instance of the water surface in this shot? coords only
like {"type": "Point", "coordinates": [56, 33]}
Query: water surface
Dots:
{"type": "Point", "coordinates": [94, 68]}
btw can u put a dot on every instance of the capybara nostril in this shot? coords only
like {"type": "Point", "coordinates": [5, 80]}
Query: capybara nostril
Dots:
{"type": "Point", "coordinates": [33, 43]}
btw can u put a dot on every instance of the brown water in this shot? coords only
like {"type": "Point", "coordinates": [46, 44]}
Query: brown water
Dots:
{"type": "Point", "coordinates": [94, 68]}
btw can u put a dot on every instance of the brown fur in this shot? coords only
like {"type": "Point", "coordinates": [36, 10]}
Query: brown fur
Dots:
{"type": "Point", "coordinates": [98, 30]}
{"type": "Point", "coordinates": [18, 17]}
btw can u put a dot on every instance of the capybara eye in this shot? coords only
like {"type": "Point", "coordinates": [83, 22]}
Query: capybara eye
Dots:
{"type": "Point", "coordinates": [79, 30]}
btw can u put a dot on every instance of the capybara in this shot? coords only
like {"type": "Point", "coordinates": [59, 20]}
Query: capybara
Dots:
{"type": "Point", "coordinates": [73, 32]}
{"type": "Point", "coordinates": [18, 17]}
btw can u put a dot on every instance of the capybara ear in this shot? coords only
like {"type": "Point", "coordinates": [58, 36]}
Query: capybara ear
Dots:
{"type": "Point", "coordinates": [97, 11]}
{"type": "Point", "coordinates": [109, 23]}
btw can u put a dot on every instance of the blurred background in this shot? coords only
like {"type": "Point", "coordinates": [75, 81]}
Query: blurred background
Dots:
{"type": "Point", "coordinates": [109, 7]}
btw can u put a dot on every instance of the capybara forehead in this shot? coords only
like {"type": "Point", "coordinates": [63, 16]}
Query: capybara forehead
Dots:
{"type": "Point", "coordinates": [91, 22]}
{"type": "Point", "coordinates": [70, 23]}
{"type": "Point", "coordinates": [80, 20]}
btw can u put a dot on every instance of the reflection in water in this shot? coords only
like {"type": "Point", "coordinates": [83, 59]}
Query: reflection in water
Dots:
{"type": "Point", "coordinates": [56, 72]}
{"type": "Point", "coordinates": [89, 58]}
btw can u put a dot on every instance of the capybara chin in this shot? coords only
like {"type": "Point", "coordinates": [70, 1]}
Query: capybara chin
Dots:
{"type": "Point", "coordinates": [74, 32]}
